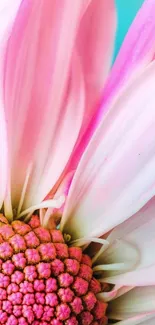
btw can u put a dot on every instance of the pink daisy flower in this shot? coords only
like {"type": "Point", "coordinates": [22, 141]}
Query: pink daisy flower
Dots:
{"type": "Point", "coordinates": [76, 165]}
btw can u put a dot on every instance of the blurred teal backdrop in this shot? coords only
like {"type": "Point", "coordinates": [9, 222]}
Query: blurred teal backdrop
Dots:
{"type": "Point", "coordinates": [126, 10]}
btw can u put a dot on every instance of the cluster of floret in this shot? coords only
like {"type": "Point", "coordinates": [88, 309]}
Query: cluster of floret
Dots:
{"type": "Point", "coordinates": [43, 281]}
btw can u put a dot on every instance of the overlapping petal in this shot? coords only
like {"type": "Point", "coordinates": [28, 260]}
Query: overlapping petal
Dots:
{"type": "Point", "coordinates": [139, 231]}
{"type": "Point", "coordinates": [137, 50]}
{"type": "Point", "coordinates": [115, 177]}
{"type": "Point", "coordinates": [43, 94]}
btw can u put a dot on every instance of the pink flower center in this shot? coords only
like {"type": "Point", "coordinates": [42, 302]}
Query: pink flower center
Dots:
{"type": "Point", "coordinates": [43, 281]}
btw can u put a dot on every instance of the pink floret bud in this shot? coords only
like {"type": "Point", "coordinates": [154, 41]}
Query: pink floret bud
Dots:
{"type": "Point", "coordinates": [8, 267]}
{"type": "Point", "coordinates": [51, 285]}
{"type": "Point", "coordinates": [43, 234]}
{"type": "Point", "coordinates": [32, 256]}
{"type": "Point", "coordinates": [57, 236]}
{"type": "Point", "coordinates": [17, 310]}
{"type": "Point", "coordinates": [48, 313]}
{"type": "Point", "coordinates": [3, 317]}
{"type": "Point", "coordinates": [57, 267]}
{"type": "Point", "coordinates": [6, 250]}
{"type": "Point", "coordinates": [80, 286]}
{"type": "Point", "coordinates": [34, 221]}
{"type": "Point", "coordinates": [4, 280]}
{"type": "Point", "coordinates": [17, 277]}
{"type": "Point", "coordinates": [89, 300]}
{"type": "Point", "coordinates": [47, 251]}
{"type": "Point", "coordinates": [30, 273]}
{"type": "Point", "coordinates": [85, 272]}
{"type": "Point", "coordinates": [12, 320]}
{"type": "Point", "coordinates": [86, 260]}
{"type": "Point", "coordinates": [61, 250]}
{"type": "Point", "coordinates": [75, 252]}
{"type": "Point", "coordinates": [3, 294]}
{"type": "Point", "coordinates": [38, 310]}
{"type": "Point", "coordinates": [66, 295]}
{"type": "Point", "coordinates": [39, 285]}
{"type": "Point", "coordinates": [6, 231]}
{"type": "Point", "coordinates": [51, 299]}
{"type": "Point", "coordinates": [26, 287]}
{"type": "Point", "coordinates": [31, 240]}
{"type": "Point", "coordinates": [20, 227]}
{"type": "Point", "coordinates": [63, 312]}
{"type": "Point", "coordinates": [16, 298]}
{"type": "Point", "coordinates": [7, 306]}
{"type": "Point", "coordinates": [19, 260]}
{"type": "Point", "coordinates": [44, 270]}
{"type": "Point", "coordinates": [77, 306]}
{"type": "Point", "coordinates": [18, 243]}
{"type": "Point", "coordinates": [28, 299]}
{"type": "Point", "coordinates": [65, 280]}
{"type": "Point", "coordinates": [72, 266]}
{"type": "Point", "coordinates": [40, 298]}
{"type": "Point", "coordinates": [86, 318]}
{"type": "Point", "coordinates": [13, 287]}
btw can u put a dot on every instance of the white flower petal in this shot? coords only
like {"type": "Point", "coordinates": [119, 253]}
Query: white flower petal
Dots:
{"type": "Point", "coordinates": [138, 301]}
{"type": "Point", "coordinates": [139, 231]}
{"type": "Point", "coordinates": [115, 177]}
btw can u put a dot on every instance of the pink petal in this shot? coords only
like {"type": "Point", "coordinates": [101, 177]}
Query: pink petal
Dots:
{"type": "Point", "coordinates": [43, 94]}
{"type": "Point", "coordinates": [95, 47]}
{"type": "Point", "coordinates": [115, 177]}
{"type": "Point", "coordinates": [137, 51]}
{"type": "Point", "coordinates": [3, 154]}
{"type": "Point", "coordinates": [7, 13]}
{"type": "Point", "coordinates": [138, 231]}
{"type": "Point", "coordinates": [95, 44]}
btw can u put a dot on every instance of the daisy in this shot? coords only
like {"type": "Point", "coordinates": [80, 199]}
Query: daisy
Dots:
{"type": "Point", "coordinates": [64, 156]}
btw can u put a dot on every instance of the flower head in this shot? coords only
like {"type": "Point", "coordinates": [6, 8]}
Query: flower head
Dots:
{"type": "Point", "coordinates": [81, 163]}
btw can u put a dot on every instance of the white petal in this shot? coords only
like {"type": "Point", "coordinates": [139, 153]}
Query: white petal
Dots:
{"type": "Point", "coordinates": [115, 177]}
{"type": "Point", "coordinates": [138, 301]}
{"type": "Point", "coordinates": [141, 320]}
{"type": "Point", "coordinates": [138, 231]}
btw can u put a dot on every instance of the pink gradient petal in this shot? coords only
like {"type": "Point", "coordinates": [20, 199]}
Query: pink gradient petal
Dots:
{"type": "Point", "coordinates": [115, 177]}
{"type": "Point", "coordinates": [41, 91]}
{"type": "Point", "coordinates": [136, 52]}
{"type": "Point", "coordinates": [95, 44]}
{"type": "Point", "coordinates": [3, 155]}
{"type": "Point", "coordinates": [139, 231]}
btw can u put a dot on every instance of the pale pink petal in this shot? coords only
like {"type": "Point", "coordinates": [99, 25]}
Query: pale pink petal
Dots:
{"type": "Point", "coordinates": [138, 231]}
{"type": "Point", "coordinates": [44, 95]}
{"type": "Point", "coordinates": [137, 50]}
{"type": "Point", "coordinates": [115, 177]}
{"type": "Point", "coordinates": [113, 294]}
{"type": "Point", "coordinates": [95, 44]}
{"type": "Point", "coordinates": [7, 13]}
{"type": "Point", "coordinates": [139, 301]}
{"type": "Point", "coordinates": [3, 155]}
{"type": "Point", "coordinates": [139, 320]}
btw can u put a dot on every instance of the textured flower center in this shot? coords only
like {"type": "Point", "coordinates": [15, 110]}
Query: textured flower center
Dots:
{"type": "Point", "coordinates": [43, 281]}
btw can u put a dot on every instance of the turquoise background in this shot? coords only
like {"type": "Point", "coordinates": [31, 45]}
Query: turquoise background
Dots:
{"type": "Point", "coordinates": [126, 10]}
